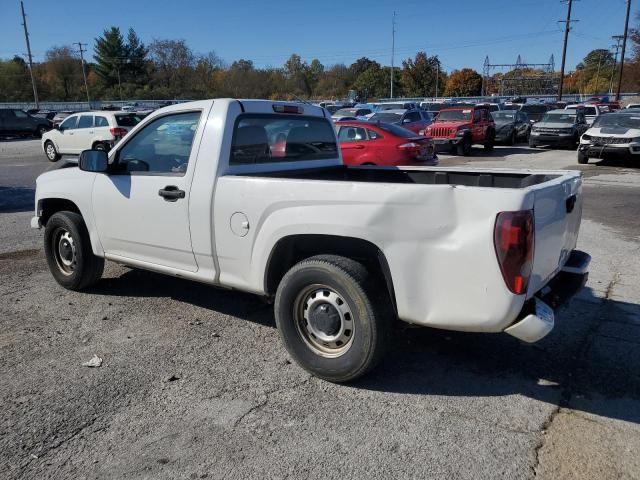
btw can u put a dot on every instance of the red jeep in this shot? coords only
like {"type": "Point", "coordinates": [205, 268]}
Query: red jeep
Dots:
{"type": "Point", "coordinates": [457, 129]}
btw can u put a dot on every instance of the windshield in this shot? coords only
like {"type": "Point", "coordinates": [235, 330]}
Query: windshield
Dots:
{"type": "Point", "coordinates": [589, 110]}
{"type": "Point", "coordinates": [569, 118]}
{"type": "Point", "coordinates": [624, 121]}
{"type": "Point", "coordinates": [433, 107]}
{"type": "Point", "coordinates": [386, 117]}
{"type": "Point", "coordinates": [506, 115]}
{"type": "Point", "coordinates": [396, 130]}
{"type": "Point", "coordinates": [447, 115]}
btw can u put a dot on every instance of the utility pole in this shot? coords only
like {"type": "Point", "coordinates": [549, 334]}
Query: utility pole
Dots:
{"type": "Point", "coordinates": [618, 40]}
{"type": "Point", "coordinates": [567, 28]}
{"type": "Point", "coordinates": [84, 73]}
{"type": "Point", "coordinates": [393, 48]}
{"type": "Point", "coordinates": [26, 36]}
{"type": "Point", "coordinates": [624, 46]}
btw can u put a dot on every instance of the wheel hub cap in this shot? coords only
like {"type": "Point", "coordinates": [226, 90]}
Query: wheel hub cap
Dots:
{"type": "Point", "coordinates": [324, 321]}
{"type": "Point", "coordinates": [65, 251]}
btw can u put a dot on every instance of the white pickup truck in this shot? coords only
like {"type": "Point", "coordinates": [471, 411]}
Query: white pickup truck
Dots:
{"type": "Point", "coordinates": [252, 195]}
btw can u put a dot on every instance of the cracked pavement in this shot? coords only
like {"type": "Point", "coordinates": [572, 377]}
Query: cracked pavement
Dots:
{"type": "Point", "coordinates": [195, 382]}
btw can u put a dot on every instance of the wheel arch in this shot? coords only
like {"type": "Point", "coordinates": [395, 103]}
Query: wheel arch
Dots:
{"type": "Point", "coordinates": [292, 249]}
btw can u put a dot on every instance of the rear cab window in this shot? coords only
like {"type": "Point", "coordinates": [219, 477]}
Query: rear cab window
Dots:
{"type": "Point", "coordinates": [268, 138]}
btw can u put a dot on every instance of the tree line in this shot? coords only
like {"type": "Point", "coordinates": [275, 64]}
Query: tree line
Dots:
{"type": "Point", "coordinates": [123, 67]}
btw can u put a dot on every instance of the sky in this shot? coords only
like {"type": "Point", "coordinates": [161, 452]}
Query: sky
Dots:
{"type": "Point", "coordinates": [461, 32]}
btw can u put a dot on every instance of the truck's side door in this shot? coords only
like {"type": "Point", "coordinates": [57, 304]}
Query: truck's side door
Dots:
{"type": "Point", "coordinates": [141, 208]}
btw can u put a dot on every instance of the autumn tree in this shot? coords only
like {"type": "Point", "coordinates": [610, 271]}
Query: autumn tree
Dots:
{"type": "Point", "coordinates": [63, 72]}
{"type": "Point", "coordinates": [463, 83]}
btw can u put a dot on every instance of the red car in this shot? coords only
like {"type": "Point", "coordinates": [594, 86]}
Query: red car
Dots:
{"type": "Point", "coordinates": [369, 143]}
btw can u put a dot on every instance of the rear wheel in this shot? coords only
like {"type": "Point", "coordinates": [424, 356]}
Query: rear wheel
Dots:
{"type": "Point", "coordinates": [41, 130]}
{"type": "Point", "coordinates": [332, 317]}
{"type": "Point", "coordinates": [51, 152]}
{"type": "Point", "coordinates": [68, 251]}
{"type": "Point", "coordinates": [100, 146]}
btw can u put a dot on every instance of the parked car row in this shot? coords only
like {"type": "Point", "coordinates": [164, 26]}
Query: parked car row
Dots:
{"type": "Point", "coordinates": [16, 122]}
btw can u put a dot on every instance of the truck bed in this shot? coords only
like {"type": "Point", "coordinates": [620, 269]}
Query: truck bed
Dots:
{"type": "Point", "coordinates": [416, 176]}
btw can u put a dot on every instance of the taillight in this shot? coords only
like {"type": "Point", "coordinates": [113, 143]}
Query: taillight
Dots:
{"type": "Point", "coordinates": [118, 132]}
{"type": "Point", "coordinates": [513, 238]}
{"type": "Point", "coordinates": [410, 147]}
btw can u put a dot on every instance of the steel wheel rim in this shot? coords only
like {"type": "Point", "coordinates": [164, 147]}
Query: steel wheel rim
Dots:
{"type": "Point", "coordinates": [64, 251]}
{"type": "Point", "coordinates": [51, 152]}
{"type": "Point", "coordinates": [320, 301]}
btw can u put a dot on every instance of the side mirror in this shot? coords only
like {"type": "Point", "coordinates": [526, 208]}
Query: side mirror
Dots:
{"type": "Point", "coordinates": [57, 126]}
{"type": "Point", "coordinates": [94, 161]}
{"type": "Point", "coordinates": [406, 120]}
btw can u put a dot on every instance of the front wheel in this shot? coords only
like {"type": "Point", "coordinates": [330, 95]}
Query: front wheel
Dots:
{"type": "Point", "coordinates": [68, 251]}
{"type": "Point", "coordinates": [332, 317]}
{"type": "Point", "coordinates": [583, 158]}
{"type": "Point", "coordinates": [464, 147]}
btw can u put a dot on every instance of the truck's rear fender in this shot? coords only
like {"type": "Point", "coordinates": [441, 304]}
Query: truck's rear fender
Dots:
{"type": "Point", "coordinates": [295, 248]}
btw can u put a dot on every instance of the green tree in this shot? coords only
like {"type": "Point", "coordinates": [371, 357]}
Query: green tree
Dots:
{"type": "Point", "coordinates": [136, 59]}
{"type": "Point", "coordinates": [361, 65]}
{"type": "Point", "coordinates": [295, 71]}
{"type": "Point", "coordinates": [463, 83]}
{"type": "Point", "coordinates": [373, 82]}
{"type": "Point", "coordinates": [110, 56]}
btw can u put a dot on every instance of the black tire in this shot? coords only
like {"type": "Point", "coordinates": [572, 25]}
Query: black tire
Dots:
{"type": "Point", "coordinates": [69, 254]}
{"type": "Point", "coordinates": [363, 319]}
{"type": "Point", "coordinates": [532, 144]}
{"type": "Point", "coordinates": [51, 152]}
{"type": "Point", "coordinates": [464, 147]}
{"type": "Point", "coordinates": [512, 139]}
{"type": "Point", "coordinates": [582, 158]}
{"type": "Point", "coordinates": [100, 146]}
{"type": "Point", "coordinates": [41, 130]}
{"type": "Point", "coordinates": [490, 142]}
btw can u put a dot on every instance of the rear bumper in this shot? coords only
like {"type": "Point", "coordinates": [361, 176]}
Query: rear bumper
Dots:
{"type": "Point", "coordinates": [537, 318]}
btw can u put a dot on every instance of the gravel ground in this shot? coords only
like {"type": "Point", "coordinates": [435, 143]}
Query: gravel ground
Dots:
{"type": "Point", "coordinates": [195, 384]}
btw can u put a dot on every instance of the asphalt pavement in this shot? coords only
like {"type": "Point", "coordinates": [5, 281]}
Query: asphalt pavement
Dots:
{"type": "Point", "coordinates": [195, 383]}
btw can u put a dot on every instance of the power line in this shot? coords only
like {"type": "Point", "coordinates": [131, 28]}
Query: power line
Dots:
{"type": "Point", "coordinates": [26, 36]}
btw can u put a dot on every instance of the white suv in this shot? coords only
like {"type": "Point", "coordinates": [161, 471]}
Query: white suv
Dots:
{"type": "Point", "coordinates": [87, 130]}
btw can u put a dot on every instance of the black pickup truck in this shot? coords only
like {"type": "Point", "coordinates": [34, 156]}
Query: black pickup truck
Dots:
{"type": "Point", "coordinates": [17, 122]}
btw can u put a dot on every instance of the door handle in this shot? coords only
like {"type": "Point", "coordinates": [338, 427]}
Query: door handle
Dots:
{"type": "Point", "coordinates": [354, 147]}
{"type": "Point", "coordinates": [171, 193]}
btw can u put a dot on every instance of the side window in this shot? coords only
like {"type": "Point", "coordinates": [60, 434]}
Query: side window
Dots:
{"type": "Point", "coordinates": [477, 116]}
{"type": "Point", "coordinates": [351, 134]}
{"type": "Point", "coordinates": [374, 135]}
{"type": "Point", "coordinates": [20, 114]}
{"type": "Point", "coordinates": [163, 146]}
{"type": "Point", "coordinates": [69, 123]}
{"type": "Point", "coordinates": [85, 121]}
{"type": "Point", "coordinates": [101, 121]}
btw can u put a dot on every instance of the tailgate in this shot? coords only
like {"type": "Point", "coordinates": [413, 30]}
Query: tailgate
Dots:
{"type": "Point", "coordinates": [558, 211]}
